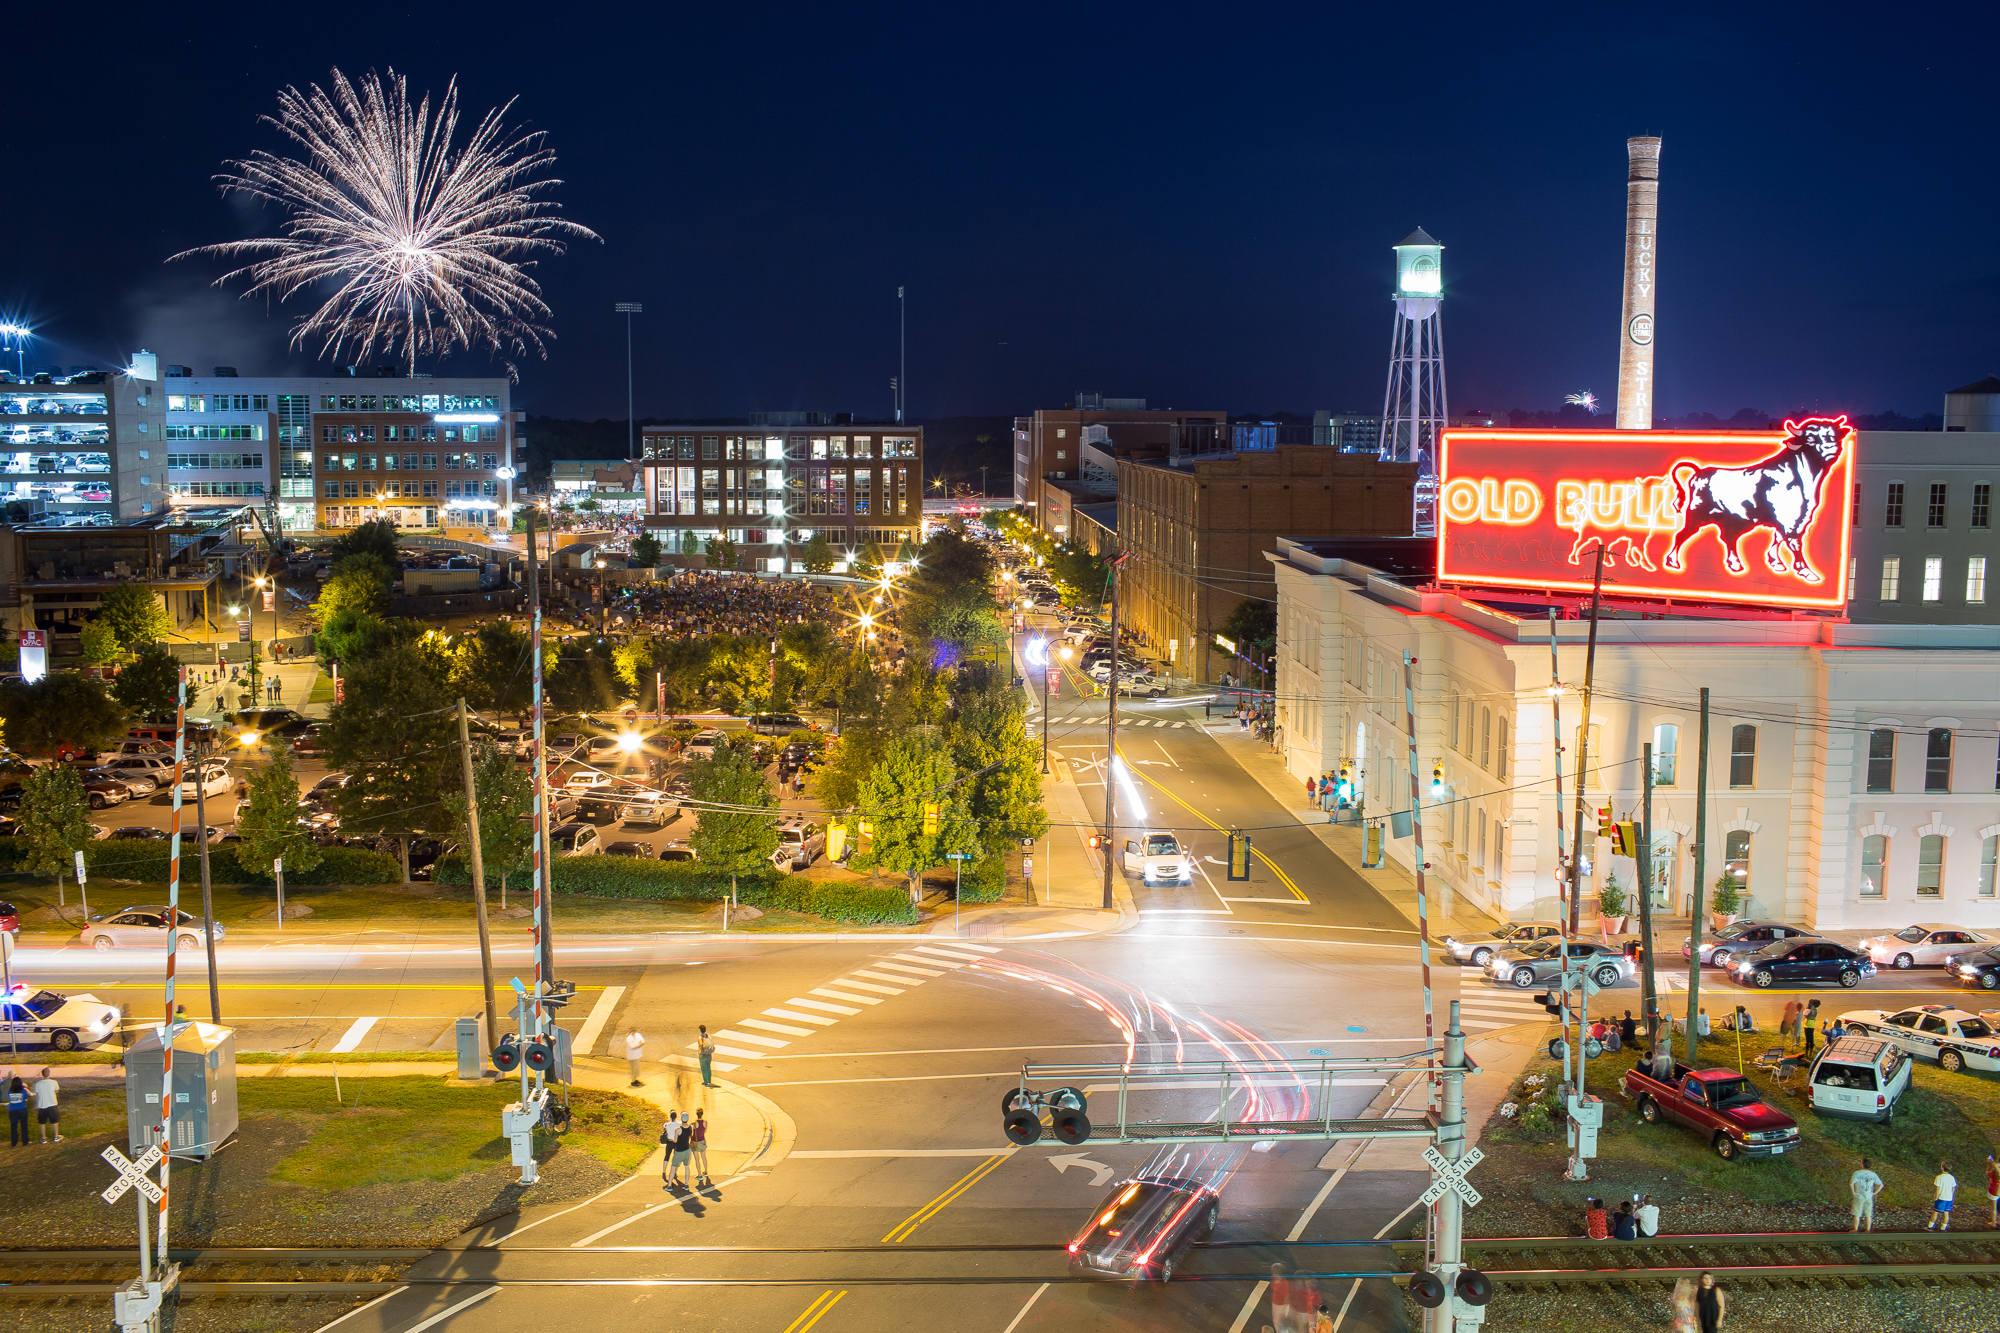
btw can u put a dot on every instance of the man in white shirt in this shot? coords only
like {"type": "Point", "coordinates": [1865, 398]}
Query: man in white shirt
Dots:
{"type": "Point", "coordinates": [46, 1110]}
{"type": "Point", "coordinates": [1864, 1185]}
{"type": "Point", "coordinates": [1648, 1216]}
{"type": "Point", "coordinates": [635, 1052]}
{"type": "Point", "coordinates": [1942, 1189]}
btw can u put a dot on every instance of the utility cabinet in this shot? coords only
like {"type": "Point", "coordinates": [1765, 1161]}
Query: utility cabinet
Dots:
{"type": "Point", "coordinates": [204, 1091]}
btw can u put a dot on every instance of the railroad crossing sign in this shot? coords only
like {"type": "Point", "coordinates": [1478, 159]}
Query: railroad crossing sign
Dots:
{"type": "Point", "coordinates": [1449, 1175]}
{"type": "Point", "coordinates": [132, 1174]}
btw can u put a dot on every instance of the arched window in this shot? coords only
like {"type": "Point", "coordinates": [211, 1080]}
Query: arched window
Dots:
{"type": "Point", "coordinates": [1666, 752]}
{"type": "Point", "coordinates": [1736, 859]}
{"type": "Point", "coordinates": [1743, 756]}
{"type": "Point", "coordinates": [1486, 738]}
{"type": "Point", "coordinates": [1500, 755]}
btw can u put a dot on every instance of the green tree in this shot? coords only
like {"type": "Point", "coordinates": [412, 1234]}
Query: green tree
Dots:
{"type": "Point", "coordinates": [585, 680]}
{"type": "Point", "coordinates": [732, 833]}
{"type": "Point", "coordinates": [348, 635]}
{"type": "Point", "coordinates": [134, 613]}
{"type": "Point", "coordinates": [633, 660]}
{"type": "Point", "coordinates": [55, 817]}
{"type": "Point", "coordinates": [645, 551]}
{"type": "Point", "coordinates": [688, 544]}
{"type": "Point", "coordinates": [268, 821]}
{"type": "Point", "coordinates": [57, 710]}
{"type": "Point", "coordinates": [915, 770]}
{"type": "Point", "coordinates": [499, 672]}
{"type": "Point", "coordinates": [396, 741]}
{"type": "Point", "coordinates": [506, 839]}
{"type": "Point", "coordinates": [100, 644]}
{"type": "Point", "coordinates": [376, 537]}
{"type": "Point", "coordinates": [818, 555]}
{"type": "Point", "coordinates": [722, 553]}
{"type": "Point", "coordinates": [1254, 623]}
{"type": "Point", "coordinates": [990, 738]}
{"type": "Point", "coordinates": [149, 686]}
{"type": "Point", "coordinates": [589, 506]}
{"type": "Point", "coordinates": [359, 582]}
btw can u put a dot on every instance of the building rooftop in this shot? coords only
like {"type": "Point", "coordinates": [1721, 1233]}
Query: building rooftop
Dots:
{"type": "Point", "coordinates": [1991, 384]}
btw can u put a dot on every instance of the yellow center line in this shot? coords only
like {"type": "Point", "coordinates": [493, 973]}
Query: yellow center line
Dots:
{"type": "Point", "coordinates": [279, 985]}
{"type": "Point", "coordinates": [824, 1302]}
{"type": "Point", "coordinates": [923, 1214]}
{"type": "Point", "coordinates": [1269, 864]}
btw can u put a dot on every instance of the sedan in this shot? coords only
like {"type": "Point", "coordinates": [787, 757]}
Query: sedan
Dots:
{"type": "Point", "coordinates": [103, 789]}
{"type": "Point", "coordinates": [1927, 944]}
{"type": "Point", "coordinates": [1146, 1223]}
{"type": "Point", "coordinates": [589, 780]}
{"type": "Point", "coordinates": [143, 928]}
{"type": "Point", "coordinates": [140, 833]}
{"type": "Point", "coordinates": [1981, 969]}
{"type": "Point", "coordinates": [1798, 962]}
{"type": "Point", "coordinates": [10, 918]}
{"type": "Point", "coordinates": [1741, 937]}
{"type": "Point", "coordinates": [1478, 949]}
{"type": "Point", "coordinates": [215, 780]}
{"type": "Point", "coordinates": [1541, 961]}
{"type": "Point", "coordinates": [643, 850]}
{"type": "Point", "coordinates": [1952, 1037]}
{"type": "Point", "coordinates": [29, 1017]}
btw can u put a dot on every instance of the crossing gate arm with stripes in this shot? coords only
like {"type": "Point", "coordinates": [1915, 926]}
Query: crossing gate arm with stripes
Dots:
{"type": "Point", "coordinates": [1304, 1084]}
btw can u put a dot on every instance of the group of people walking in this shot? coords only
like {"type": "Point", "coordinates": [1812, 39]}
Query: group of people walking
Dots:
{"type": "Point", "coordinates": [684, 1138]}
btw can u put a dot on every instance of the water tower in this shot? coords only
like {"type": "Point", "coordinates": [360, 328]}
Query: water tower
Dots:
{"type": "Point", "coordinates": [1413, 411]}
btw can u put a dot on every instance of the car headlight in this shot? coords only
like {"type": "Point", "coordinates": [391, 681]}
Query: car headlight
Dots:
{"type": "Point", "coordinates": [1449, 940]}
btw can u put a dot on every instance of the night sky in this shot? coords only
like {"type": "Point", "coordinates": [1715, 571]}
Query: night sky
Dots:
{"type": "Point", "coordinates": [1194, 205]}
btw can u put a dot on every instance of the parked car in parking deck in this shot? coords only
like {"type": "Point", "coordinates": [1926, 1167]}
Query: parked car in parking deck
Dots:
{"type": "Point", "coordinates": [799, 845]}
{"type": "Point", "coordinates": [102, 789]}
{"type": "Point", "coordinates": [643, 850]}
{"type": "Point", "coordinates": [575, 840]}
{"type": "Point", "coordinates": [678, 850]}
{"type": "Point", "coordinates": [1926, 944]}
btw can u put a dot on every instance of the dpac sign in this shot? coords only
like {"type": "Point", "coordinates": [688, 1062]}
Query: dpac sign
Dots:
{"type": "Point", "coordinates": [1735, 516]}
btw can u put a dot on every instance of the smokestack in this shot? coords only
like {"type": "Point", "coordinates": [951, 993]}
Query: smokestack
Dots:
{"type": "Point", "coordinates": [1635, 335]}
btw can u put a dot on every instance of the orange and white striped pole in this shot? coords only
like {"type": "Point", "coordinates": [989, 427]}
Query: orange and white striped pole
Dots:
{"type": "Point", "coordinates": [168, 1027]}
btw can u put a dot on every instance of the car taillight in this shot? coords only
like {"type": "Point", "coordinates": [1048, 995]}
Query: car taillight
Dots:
{"type": "Point", "coordinates": [1073, 1244]}
{"type": "Point", "coordinates": [1993, 1053]}
{"type": "Point", "coordinates": [1880, 1100]}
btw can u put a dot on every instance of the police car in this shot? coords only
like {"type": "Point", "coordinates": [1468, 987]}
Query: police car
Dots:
{"type": "Point", "coordinates": [1952, 1037]}
{"type": "Point", "coordinates": [33, 1017]}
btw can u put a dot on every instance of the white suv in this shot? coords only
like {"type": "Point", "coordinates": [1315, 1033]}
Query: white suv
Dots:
{"type": "Point", "coordinates": [799, 845]}
{"type": "Point", "coordinates": [1160, 859]}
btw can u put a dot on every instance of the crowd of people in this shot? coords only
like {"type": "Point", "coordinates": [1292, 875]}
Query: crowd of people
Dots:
{"type": "Point", "coordinates": [701, 603]}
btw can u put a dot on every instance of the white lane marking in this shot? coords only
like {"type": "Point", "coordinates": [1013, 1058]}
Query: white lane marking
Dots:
{"type": "Point", "coordinates": [564, 1213]}
{"type": "Point", "coordinates": [1293, 901]}
{"type": "Point", "coordinates": [885, 990]}
{"type": "Point", "coordinates": [1005, 1150]}
{"type": "Point", "coordinates": [359, 1308]}
{"type": "Point", "coordinates": [751, 1037]}
{"type": "Point", "coordinates": [800, 1018]}
{"type": "Point", "coordinates": [354, 1035]}
{"type": "Point", "coordinates": [1016, 1322]}
{"type": "Point", "coordinates": [600, 1014]}
{"type": "Point", "coordinates": [1470, 1025]}
{"type": "Point", "coordinates": [905, 1078]}
{"type": "Point", "coordinates": [820, 1004]}
{"type": "Point", "coordinates": [970, 948]}
{"type": "Point", "coordinates": [913, 971]}
{"type": "Point", "coordinates": [740, 1053]}
{"type": "Point", "coordinates": [932, 962]}
{"type": "Point", "coordinates": [644, 1213]}
{"type": "Point", "coordinates": [767, 1026]}
{"type": "Point", "coordinates": [843, 995]}
{"type": "Point", "coordinates": [449, 1311]}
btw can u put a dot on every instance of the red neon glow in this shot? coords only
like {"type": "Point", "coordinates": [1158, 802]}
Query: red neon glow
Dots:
{"type": "Point", "coordinates": [1739, 516]}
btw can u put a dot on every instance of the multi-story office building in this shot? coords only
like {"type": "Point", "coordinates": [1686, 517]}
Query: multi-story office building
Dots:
{"type": "Point", "coordinates": [1065, 455]}
{"type": "Point", "coordinates": [771, 489]}
{"type": "Point", "coordinates": [87, 447]}
{"type": "Point", "coordinates": [335, 451]}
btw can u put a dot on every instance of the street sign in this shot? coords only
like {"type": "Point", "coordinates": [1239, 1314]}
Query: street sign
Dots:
{"type": "Point", "coordinates": [132, 1174]}
{"type": "Point", "coordinates": [1448, 1176]}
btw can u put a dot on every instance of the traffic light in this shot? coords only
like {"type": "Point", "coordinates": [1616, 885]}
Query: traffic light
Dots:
{"type": "Point", "coordinates": [932, 811]}
{"type": "Point", "coordinates": [1625, 838]}
{"type": "Point", "coordinates": [1239, 856]}
{"type": "Point", "coordinates": [1371, 847]}
{"type": "Point", "coordinates": [1437, 781]}
{"type": "Point", "coordinates": [1603, 813]}
{"type": "Point", "coordinates": [1095, 841]}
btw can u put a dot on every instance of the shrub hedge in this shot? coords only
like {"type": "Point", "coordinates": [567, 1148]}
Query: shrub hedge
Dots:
{"type": "Point", "coordinates": [986, 879]}
{"type": "Point", "coordinates": [147, 863]}
{"type": "Point", "coordinates": [684, 881]}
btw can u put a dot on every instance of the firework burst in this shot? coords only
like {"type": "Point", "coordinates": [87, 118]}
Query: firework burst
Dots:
{"type": "Point", "coordinates": [417, 248]}
{"type": "Point", "coordinates": [1585, 399]}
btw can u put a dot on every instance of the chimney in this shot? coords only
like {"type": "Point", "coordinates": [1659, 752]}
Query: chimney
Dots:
{"type": "Point", "coordinates": [1635, 329]}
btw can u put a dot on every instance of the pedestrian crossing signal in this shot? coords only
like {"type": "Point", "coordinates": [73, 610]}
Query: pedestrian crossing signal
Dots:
{"type": "Point", "coordinates": [932, 812]}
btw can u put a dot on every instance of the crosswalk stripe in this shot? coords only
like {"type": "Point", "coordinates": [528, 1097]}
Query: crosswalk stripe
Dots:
{"type": "Point", "coordinates": [843, 995]}
{"type": "Point", "coordinates": [355, 1034]}
{"type": "Point", "coordinates": [969, 947]}
{"type": "Point", "coordinates": [763, 1025]}
{"type": "Point", "coordinates": [900, 968]}
{"type": "Point", "coordinates": [801, 1018]}
{"type": "Point", "coordinates": [1481, 1027]}
{"type": "Point", "coordinates": [821, 1004]}
{"type": "Point", "coordinates": [927, 962]}
{"type": "Point", "coordinates": [863, 985]}
{"type": "Point", "coordinates": [732, 1050]}
{"type": "Point", "coordinates": [957, 959]}
{"type": "Point", "coordinates": [938, 956]}
{"type": "Point", "coordinates": [751, 1037]}
{"type": "Point", "coordinates": [889, 976]}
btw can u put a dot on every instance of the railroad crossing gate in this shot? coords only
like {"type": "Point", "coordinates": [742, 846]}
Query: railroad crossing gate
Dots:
{"type": "Point", "coordinates": [132, 1174]}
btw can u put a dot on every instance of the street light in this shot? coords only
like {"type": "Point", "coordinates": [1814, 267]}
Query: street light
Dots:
{"type": "Point", "coordinates": [1064, 652]}
{"type": "Point", "coordinates": [628, 309]}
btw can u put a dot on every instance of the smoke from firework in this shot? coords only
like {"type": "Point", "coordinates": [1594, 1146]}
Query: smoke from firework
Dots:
{"type": "Point", "coordinates": [418, 248]}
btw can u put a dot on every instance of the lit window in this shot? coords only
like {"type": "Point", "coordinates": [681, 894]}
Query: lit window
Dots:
{"type": "Point", "coordinates": [1892, 577]}
{"type": "Point", "coordinates": [1736, 859]}
{"type": "Point", "coordinates": [1975, 579]}
{"type": "Point", "coordinates": [1666, 751]}
{"type": "Point", "coordinates": [1933, 578]}
{"type": "Point", "coordinates": [1989, 852]}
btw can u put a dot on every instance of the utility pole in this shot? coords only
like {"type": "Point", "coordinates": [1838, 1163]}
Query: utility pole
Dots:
{"type": "Point", "coordinates": [1110, 739]}
{"type": "Point", "coordinates": [1700, 870]}
{"type": "Point", "coordinates": [1649, 997]}
{"type": "Point", "coordinates": [1567, 872]}
{"type": "Point", "coordinates": [207, 897]}
{"type": "Point", "coordinates": [627, 309]}
{"type": "Point", "coordinates": [544, 946]}
{"type": "Point", "coordinates": [1417, 859]}
{"type": "Point", "coordinates": [478, 873]}
{"type": "Point", "coordinates": [1583, 742]}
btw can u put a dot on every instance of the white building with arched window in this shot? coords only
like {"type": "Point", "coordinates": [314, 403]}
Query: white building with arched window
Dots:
{"type": "Point", "coordinates": [1853, 770]}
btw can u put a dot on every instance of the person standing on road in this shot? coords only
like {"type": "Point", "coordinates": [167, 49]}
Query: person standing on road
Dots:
{"type": "Point", "coordinates": [705, 1047]}
{"type": "Point", "coordinates": [1864, 1185]}
{"type": "Point", "coordinates": [1710, 1305]}
{"type": "Point", "coordinates": [1942, 1190]}
{"type": "Point", "coordinates": [17, 1113]}
{"type": "Point", "coordinates": [49, 1116]}
{"type": "Point", "coordinates": [635, 1053]}
{"type": "Point", "coordinates": [698, 1142]}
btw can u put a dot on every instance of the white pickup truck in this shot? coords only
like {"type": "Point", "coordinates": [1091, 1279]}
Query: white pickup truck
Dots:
{"type": "Point", "coordinates": [1159, 858]}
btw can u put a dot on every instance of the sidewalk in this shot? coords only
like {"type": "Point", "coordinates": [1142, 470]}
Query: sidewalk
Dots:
{"type": "Point", "coordinates": [1449, 911]}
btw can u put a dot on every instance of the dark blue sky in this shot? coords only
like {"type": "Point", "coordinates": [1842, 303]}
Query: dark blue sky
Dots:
{"type": "Point", "coordinates": [1194, 204]}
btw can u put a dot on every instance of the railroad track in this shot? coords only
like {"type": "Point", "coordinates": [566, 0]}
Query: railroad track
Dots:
{"type": "Point", "coordinates": [1751, 1259]}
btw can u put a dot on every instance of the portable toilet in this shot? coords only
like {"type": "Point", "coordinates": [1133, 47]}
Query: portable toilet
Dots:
{"type": "Point", "coordinates": [204, 1092]}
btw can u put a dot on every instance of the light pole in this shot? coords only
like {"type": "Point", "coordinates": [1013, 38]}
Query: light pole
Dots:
{"type": "Point", "coordinates": [603, 607]}
{"type": "Point", "coordinates": [19, 336]}
{"type": "Point", "coordinates": [1047, 667]}
{"type": "Point", "coordinates": [506, 476]}
{"type": "Point", "coordinates": [628, 309]}
{"type": "Point", "coordinates": [272, 582]}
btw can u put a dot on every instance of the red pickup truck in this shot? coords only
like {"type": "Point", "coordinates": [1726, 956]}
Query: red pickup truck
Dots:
{"type": "Point", "coordinates": [1717, 1102]}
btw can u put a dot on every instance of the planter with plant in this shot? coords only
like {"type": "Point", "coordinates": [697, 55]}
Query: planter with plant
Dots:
{"type": "Point", "coordinates": [1727, 902]}
{"type": "Point", "coordinates": [1611, 905]}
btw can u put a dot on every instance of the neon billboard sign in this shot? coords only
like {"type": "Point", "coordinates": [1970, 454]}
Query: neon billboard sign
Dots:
{"type": "Point", "coordinates": [1756, 517]}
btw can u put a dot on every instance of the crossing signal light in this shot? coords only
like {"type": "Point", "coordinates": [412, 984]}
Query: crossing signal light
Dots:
{"type": "Point", "coordinates": [1550, 1000]}
{"type": "Point", "coordinates": [1474, 1287]}
{"type": "Point", "coordinates": [932, 811]}
{"type": "Point", "coordinates": [538, 1055]}
{"type": "Point", "coordinates": [1096, 841]}
{"type": "Point", "coordinates": [507, 1055]}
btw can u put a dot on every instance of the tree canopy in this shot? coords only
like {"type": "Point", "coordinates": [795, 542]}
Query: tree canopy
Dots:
{"type": "Point", "coordinates": [149, 685]}
{"type": "Point", "coordinates": [395, 739]}
{"type": "Point", "coordinates": [645, 551]}
{"type": "Point", "coordinates": [135, 614]}
{"type": "Point", "coordinates": [504, 791]}
{"type": "Point", "coordinates": [268, 821]}
{"type": "Point", "coordinates": [376, 537]}
{"type": "Point", "coordinates": [731, 832]}
{"type": "Point", "coordinates": [60, 709]}
{"type": "Point", "coordinates": [55, 817]}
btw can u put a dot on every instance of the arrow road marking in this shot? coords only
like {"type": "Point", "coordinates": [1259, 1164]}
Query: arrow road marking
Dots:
{"type": "Point", "coordinates": [1064, 1161]}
